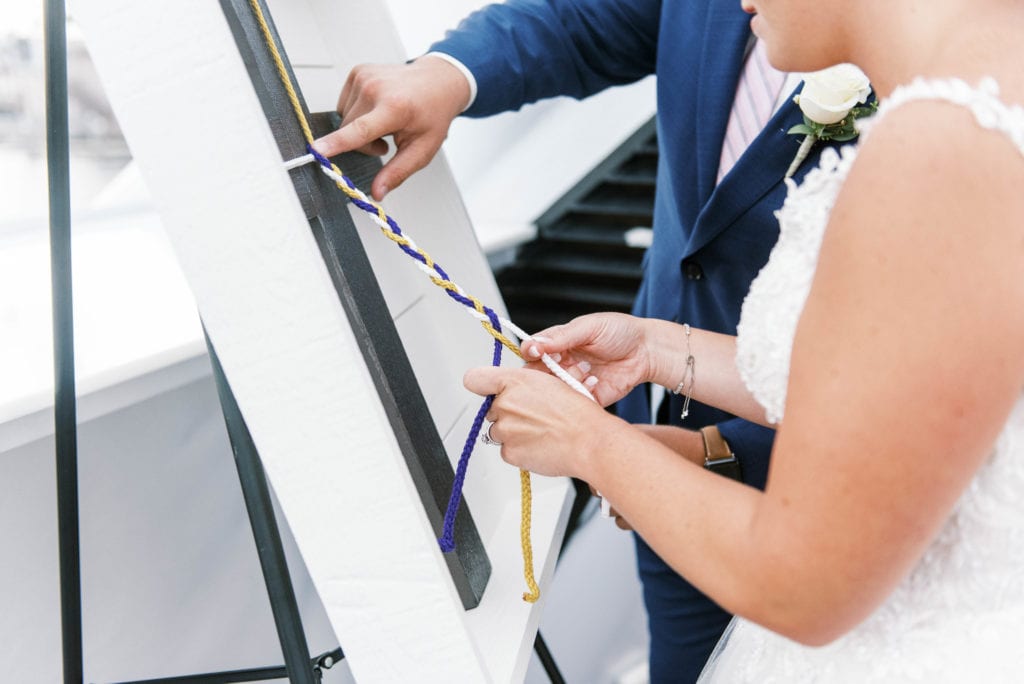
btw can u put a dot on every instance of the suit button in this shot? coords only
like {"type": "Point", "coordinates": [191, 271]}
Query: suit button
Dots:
{"type": "Point", "coordinates": [693, 270]}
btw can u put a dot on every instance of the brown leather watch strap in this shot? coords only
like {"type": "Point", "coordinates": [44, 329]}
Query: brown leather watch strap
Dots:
{"type": "Point", "coordinates": [718, 456]}
{"type": "Point", "coordinates": [715, 446]}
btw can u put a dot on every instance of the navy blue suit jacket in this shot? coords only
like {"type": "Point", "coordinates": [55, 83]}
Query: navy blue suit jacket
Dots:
{"type": "Point", "coordinates": [709, 240]}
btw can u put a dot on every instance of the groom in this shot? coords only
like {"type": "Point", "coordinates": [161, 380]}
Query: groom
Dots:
{"type": "Point", "coordinates": [723, 114]}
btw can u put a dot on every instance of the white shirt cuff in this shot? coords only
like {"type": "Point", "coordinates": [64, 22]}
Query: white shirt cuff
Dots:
{"type": "Point", "coordinates": [465, 72]}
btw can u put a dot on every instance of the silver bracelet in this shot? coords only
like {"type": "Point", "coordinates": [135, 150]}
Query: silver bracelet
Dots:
{"type": "Point", "coordinates": [685, 386]}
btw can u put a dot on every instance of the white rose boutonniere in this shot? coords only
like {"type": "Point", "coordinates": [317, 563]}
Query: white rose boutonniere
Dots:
{"type": "Point", "coordinates": [830, 102]}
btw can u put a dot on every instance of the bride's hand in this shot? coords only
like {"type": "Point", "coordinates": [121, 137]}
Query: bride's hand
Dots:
{"type": "Point", "coordinates": [542, 424]}
{"type": "Point", "coordinates": [605, 351]}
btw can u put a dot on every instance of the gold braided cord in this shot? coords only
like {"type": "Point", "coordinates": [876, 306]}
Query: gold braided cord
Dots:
{"type": "Point", "coordinates": [526, 495]}
{"type": "Point", "coordinates": [282, 72]}
{"type": "Point", "coordinates": [429, 263]}
{"type": "Point", "coordinates": [524, 538]}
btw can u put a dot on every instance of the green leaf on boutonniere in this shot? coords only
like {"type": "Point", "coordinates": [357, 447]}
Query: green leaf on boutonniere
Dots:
{"type": "Point", "coordinates": [843, 130]}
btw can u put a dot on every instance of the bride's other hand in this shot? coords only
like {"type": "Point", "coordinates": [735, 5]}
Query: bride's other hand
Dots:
{"type": "Point", "coordinates": [611, 353]}
{"type": "Point", "coordinates": [607, 352]}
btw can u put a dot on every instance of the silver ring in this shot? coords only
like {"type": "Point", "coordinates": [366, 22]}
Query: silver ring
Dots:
{"type": "Point", "coordinates": [486, 437]}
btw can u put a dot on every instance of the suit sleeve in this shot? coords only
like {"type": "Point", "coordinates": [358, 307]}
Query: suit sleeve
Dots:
{"type": "Point", "coordinates": [752, 445]}
{"type": "Point", "coordinates": [522, 51]}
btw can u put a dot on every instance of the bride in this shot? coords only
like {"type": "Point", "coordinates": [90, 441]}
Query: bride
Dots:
{"type": "Point", "coordinates": [885, 338]}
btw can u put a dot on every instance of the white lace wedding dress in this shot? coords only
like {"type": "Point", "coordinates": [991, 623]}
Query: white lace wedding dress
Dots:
{"type": "Point", "coordinates": [959, 616]}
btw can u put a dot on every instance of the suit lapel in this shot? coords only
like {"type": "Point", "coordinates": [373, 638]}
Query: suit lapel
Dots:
{"type": "Point", "coordinates": [756, 173]}
{"type": "Point", "coordinates": [725, 42]}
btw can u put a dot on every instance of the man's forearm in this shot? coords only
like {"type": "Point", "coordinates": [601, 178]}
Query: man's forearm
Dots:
{"type": "Point", "coordinates": [521, 51]}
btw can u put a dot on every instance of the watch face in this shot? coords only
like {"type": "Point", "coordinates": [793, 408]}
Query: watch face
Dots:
{"type": "Point", "coordinates": [728, 467]}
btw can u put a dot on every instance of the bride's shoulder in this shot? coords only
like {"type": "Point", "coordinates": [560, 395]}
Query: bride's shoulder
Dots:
{"type": "Point", "coordinates": [942, 166]}
{"type": "Point", "coordinates": [934, 98]}
{"type": "Point", "coordinates": [946, 126]}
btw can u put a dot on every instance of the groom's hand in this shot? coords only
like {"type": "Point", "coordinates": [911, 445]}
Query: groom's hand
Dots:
{"type": "Point", "coordinates": [415, 103]}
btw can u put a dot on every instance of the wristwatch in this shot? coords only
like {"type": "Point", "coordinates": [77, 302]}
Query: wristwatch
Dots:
{"type": "Point", "coordinates": [718, 457]}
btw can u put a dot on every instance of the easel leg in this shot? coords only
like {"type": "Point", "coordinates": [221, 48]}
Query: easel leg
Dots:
{"type": "Point", "coordinates": [265, 531]}
{"type": "Point", "coordinates": [65, 412]}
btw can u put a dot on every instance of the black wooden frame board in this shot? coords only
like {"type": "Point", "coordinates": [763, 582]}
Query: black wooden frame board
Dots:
{"type": "Point", "coordinates": [358, 291]}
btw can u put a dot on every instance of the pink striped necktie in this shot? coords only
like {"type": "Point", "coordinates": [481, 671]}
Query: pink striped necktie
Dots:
{"type": "Point", "coordinates": [756, 95]}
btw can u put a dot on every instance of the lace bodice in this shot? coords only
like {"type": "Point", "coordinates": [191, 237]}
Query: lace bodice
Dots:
{"type": "Point", "coordinates": [960, 613]}
{"type": "Point", "coordinates": [772, 307]}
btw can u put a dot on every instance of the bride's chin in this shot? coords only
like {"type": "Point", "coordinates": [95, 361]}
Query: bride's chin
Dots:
{"type": "Point", "coordinates": [777, 57]}
{"type": "Point", "coordinates": [797, 61]}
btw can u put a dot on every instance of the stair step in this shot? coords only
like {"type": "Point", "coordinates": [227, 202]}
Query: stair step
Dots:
{"type": "Point", "coordinates": [570, 295]}
{"type": "Point", "coordinates": [640, 164]}
{"type": "Point", "coordinates": [596, 235]}
{"type": "Point", "coordinates": [579, 278]}
{"type": "Point", "coordinates": [542, 258]}
{"type": "Point", "coordinates": [632, 195]}
{"type": "Point", "coordinates": [617, 218]}
{"type": "Point", "coordinates": [627, 178]}
{"type": "Point", "coordinates": [614, 202]}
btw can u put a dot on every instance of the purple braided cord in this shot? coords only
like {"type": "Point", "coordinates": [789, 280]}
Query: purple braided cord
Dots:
{"type": "Point", "coordinates": [370, 209]}
{"type": "Point", "coordinates": [447, 540]}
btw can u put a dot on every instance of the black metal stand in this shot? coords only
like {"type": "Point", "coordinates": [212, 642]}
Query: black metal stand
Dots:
{"type": "Point", "coordinates": [261, 674]}
{"type": "Point", "coordinates": [65, 413]}
{"type": "Point", "coordinates": [547, 661]}
{"type": "Point", "coordinates": [265, 530]}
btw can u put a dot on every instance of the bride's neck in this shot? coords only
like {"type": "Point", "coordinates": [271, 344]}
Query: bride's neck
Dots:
{"type": "Point", "coordinates": [930, 38]}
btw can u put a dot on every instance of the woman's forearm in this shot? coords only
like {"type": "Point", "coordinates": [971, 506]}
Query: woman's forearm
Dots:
{"type": "Point", "coordinates": [711, 377]}
{"type": "Point", "coordinates": [723, 536]}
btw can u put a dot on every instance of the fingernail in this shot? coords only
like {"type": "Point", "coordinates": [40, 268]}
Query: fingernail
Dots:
{"type": "Point", "coordinates": [534, 352]}
{"type": "Point", "coordinates": [384, 190]}
{"type": "Point", "coordinates": [583, 366]}
{"type": "Point", "coordinates": [591, 381]}
{"type": "Point", "coordinates": [556, 357]}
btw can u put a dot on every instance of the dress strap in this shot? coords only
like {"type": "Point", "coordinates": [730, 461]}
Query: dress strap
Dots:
{"type": "Point", "coordinates": [982, 101]}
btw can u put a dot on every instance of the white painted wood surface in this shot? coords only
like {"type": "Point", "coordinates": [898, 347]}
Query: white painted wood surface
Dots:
{"type": "Point", "coordinates": [185, 103]}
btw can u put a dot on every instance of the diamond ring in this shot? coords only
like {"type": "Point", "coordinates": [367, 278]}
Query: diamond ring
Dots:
{"type": "Point", "coordinates": [486, 437]}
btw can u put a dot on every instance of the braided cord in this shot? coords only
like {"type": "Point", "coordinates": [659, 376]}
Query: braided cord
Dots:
{"type": "Point", "coordinates": [282, 72]}
{"type": "Point", "coordinates": [489, 319]}
{"type": "Point", "coordinates": [524, 537]}
{"type": "Point", "coordinates": [447, 540]}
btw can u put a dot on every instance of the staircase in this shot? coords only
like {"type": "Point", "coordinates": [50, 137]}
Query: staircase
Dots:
{"type": "Point", "coordinates": [590, 243]}
{"type": "Point", "coordinates": [587, 254]}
